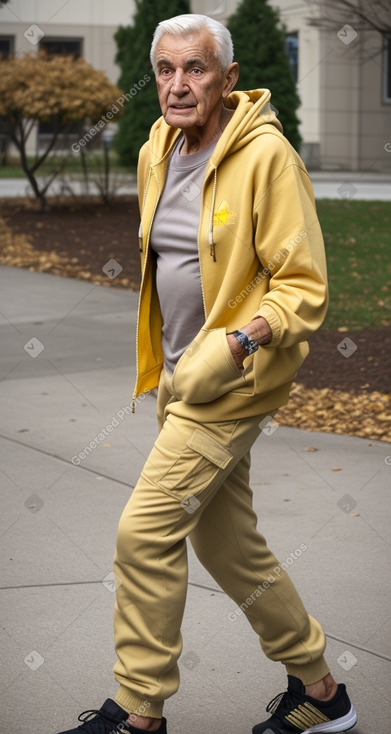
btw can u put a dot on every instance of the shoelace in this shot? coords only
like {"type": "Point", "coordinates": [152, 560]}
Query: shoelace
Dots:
{"type": "Point", "coordinates": [85, 718]}
{"type": "Point", "coordinates": [287, 700]}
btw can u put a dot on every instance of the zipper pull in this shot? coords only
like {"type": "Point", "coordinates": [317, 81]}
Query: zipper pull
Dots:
{"type": "Point", "coordinates": [140, 238]}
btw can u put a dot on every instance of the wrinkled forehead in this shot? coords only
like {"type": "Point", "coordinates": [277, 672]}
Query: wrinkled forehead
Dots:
{"type": "Point", "coordinates": [180, 49]}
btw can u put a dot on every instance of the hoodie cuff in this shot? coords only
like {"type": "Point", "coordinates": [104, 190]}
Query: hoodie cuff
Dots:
{"type": "Point", "coordinates": [274, 322]}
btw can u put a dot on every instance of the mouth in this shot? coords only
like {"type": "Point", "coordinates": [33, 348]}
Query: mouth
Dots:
{"type": "Point", "coordinates": [182, 107]}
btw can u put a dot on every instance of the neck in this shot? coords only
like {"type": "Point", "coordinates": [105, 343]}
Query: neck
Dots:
{"type": "Point", "coordinates": [198, 139]}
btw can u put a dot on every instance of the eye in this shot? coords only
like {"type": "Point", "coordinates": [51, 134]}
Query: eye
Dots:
{"type": "Point", "coordinates": [196, 71]}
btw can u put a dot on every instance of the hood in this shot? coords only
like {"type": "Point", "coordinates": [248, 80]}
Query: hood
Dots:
{"type": "Point", "coordinates": [252, 111]}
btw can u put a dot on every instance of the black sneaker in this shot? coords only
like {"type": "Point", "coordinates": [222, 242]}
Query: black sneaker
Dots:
{"type": "Point", "coordinates": [293, 711]}
{"type": "Point", "coordinates": [110, 719]}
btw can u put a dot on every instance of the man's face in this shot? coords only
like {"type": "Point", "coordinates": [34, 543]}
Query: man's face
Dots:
{"type": "Point", "coordinates": [190, 82]}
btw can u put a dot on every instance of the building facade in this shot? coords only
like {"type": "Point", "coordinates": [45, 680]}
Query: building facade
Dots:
{"type": "Point", "coordinates": [344, 83]}
{"type": "Point", "coordinates": [343, 77]}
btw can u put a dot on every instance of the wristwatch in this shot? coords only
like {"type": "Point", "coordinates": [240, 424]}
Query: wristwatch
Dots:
{"type": "Point", "coordinates": [250, 345]}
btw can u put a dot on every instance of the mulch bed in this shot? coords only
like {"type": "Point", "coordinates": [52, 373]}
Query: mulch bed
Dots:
{"type": "Point", "coordinates": [332, 392]}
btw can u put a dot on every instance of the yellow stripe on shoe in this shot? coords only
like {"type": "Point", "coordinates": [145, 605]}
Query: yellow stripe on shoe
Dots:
{"type": "Point", "coordinates": [306, 715]}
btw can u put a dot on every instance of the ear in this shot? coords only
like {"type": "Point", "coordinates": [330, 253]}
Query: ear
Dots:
{"type": "Point", "coordinates": [231, 76]}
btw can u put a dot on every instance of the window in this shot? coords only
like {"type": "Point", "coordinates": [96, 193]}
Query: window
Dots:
{"type": "Point", "coordinates": [292, 51]}
{"type": "Point", "coordinates": [387, 71]}
{"type": "Point", "coordinates": [60, 47]}
{"type": "Point", "coordinates": [6, 46]}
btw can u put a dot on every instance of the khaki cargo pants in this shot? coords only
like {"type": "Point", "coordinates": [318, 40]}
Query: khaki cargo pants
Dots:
{"type": "Point", "coordinates": [195, 483]}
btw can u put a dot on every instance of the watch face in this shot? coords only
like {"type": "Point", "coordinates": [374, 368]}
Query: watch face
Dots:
{"type": "Point", "coordinates": [250, 345]}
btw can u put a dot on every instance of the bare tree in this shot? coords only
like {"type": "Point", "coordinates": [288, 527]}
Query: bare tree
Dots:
{"type": "Point", "coordinates": [362, 15]}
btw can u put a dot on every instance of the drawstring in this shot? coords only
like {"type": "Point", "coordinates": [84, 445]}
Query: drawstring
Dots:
{"type": "Point", "coordinates": [210, 235]}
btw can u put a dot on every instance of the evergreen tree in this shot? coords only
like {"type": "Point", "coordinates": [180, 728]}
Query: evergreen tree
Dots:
{"type": "Point", "coordinates": [259, 42]}
{"type": "Point", "coordinates": [137, 78]}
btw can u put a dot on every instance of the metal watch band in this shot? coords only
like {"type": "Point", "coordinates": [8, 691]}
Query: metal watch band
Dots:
{"type": "Point", "coordinates": [250, 345]}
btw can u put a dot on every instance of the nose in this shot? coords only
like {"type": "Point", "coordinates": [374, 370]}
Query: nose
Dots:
{"type": "Point", "coordinates": [178, 84]}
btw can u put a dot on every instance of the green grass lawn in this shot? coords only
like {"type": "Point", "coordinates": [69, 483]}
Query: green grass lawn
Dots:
{"type": "Point", "coordinates": [357, 236]}
{"type": "Point", "coordinates": [72, 165]}
{"type": "Point", "coordinates": [358, 247]}
{"type": "Point", "coordinates": [12, 171]}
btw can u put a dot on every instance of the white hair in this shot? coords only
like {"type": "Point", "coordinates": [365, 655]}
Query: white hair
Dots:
{"type": "Point", "coordinates": [182, 25]}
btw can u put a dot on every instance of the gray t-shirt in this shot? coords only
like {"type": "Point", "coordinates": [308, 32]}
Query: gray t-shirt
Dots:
{"type": "Point", "coordinates": [174, 238]}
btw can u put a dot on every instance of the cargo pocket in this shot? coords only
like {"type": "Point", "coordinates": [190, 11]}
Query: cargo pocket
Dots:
{"type": "Point", "coordinates": [195, 469]}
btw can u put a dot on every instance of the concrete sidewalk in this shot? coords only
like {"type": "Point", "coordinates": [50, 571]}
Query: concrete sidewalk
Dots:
{"type": "Point", "coordinates": [67, 376]}
{"type": "Point", "coordinates": [355, 185]}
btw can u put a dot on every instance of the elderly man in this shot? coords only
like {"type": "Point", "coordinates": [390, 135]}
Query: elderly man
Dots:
{"type": "Point", "coordinates": [234, 282]}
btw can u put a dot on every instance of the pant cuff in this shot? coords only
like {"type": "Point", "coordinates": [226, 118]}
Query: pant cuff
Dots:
{"type": "Point", "coordinates": [309, 673]}
{"type": "Point", "coordinates": [133, 704]}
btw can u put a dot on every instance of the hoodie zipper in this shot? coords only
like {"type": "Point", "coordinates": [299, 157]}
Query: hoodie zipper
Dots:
{"type": "Point", "coordinates": [140, 229]}
{"type": "Point", "coordinates": [210, 240]}
{"type": "Point", "coordinates": [144, 269]}
{"type": "Point", "coordinates": [146, 255]}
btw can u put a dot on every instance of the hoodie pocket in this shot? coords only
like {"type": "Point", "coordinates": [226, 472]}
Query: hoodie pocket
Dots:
{"type": "Point", "coordinates": [207, 370]}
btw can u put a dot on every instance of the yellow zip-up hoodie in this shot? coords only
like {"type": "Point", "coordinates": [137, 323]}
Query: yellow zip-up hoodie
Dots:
{"type": "Point", "coordinates": [261, 254]}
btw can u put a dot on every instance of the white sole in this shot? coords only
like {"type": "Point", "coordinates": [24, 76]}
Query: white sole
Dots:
{"type": "Point", "coordinates": [344, 723]}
